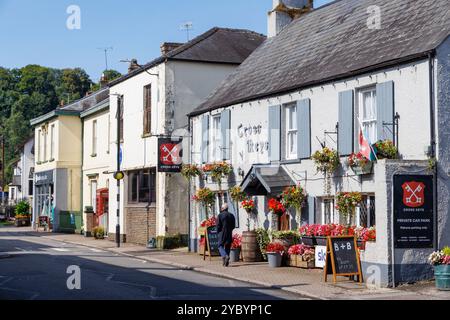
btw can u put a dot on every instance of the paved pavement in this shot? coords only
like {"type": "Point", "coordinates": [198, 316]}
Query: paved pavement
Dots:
{"type": "Point", "coordinates": [37, 270]}
{"type": "Point", "coordinates": [306, 283]}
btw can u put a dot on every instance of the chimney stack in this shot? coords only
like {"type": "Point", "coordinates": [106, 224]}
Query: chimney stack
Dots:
{"type": "Point", "coordinates": [166, 47]}
{"type": "Point", "coordinates": [133, 65]}
{"type": "Point", "coordinates": [103, 80]}
{"type": "Point", "coordinates": [284, 12]}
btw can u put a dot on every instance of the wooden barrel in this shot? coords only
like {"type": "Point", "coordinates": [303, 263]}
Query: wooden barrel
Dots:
{"type": "Point", "coordinates": [250, 247]}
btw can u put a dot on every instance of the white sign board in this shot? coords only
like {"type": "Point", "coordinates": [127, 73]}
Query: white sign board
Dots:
{"type": "Point", "coordinates": [321, 255]}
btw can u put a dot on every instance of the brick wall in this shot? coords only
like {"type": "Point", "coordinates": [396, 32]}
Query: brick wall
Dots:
{"type": "Point", "coordinates": [140, 224]}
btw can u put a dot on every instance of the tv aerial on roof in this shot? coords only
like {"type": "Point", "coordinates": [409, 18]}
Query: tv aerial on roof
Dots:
{"type": "Point", "coordinates": [187, 26]}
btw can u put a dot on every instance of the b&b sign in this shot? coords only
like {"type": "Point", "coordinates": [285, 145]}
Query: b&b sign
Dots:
{"type": "Point", "coordinates": [170, 154]}
{"type": "Point", "coordinates": [413, 211]}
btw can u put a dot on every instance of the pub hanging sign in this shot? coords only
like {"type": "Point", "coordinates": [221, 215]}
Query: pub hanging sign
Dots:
{"type": "Point", "coordinates": [413, 211]}
{"type": "Point", "coordinates": [170, 154]}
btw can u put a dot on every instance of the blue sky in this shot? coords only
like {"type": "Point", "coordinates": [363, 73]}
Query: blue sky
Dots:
{"type": "Point", "coordinates": [35, 32]}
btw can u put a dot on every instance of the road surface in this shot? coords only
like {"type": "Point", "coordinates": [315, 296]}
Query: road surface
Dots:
{"type": "Point", "coordinates": [37, 269]}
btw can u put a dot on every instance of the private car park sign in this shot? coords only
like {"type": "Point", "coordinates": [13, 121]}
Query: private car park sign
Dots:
{"type": "Point", "coordinates": [413, 211]}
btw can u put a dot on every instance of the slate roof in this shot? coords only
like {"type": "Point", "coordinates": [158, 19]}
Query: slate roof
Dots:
{"type": "Point", "coordinates": [76, 107]}
{"type": "Point", "coordinates": [218, 45]}
{"type": "Point", "coordinates": [334, 42]}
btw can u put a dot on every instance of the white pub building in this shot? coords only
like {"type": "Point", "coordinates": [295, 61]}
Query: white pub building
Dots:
{"type": "Point", "coordinates": [319, 77]}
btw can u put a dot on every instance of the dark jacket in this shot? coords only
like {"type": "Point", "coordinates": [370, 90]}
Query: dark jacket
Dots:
{"type": "Point", "coordinates": [225, 226]}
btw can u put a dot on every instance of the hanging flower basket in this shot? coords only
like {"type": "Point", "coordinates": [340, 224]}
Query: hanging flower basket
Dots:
{"type": "Point", "coordinates": [386, 149]}
{"type": "Point", "coordinates": [190, 171]}
{"type": "Point", "coordinates": [326, 160]}
{"type": "Point", "coordinates": [276, 207]}
{"type": "Point", "coordinates": [218, 171]}
{"type": "Point", "coordinates": [347, 202]}
{"type": "Point", "coordinates": [205, 197]}
{"type": "Point", "coordinates": [237, 194]}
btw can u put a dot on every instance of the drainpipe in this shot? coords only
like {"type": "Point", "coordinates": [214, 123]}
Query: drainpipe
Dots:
{"type": "Point", "coordinates": [81, 177]}
{"type": "Point", "coordinates": [189, 186]}
{"type": "Point", "coordinates": [433, 153]}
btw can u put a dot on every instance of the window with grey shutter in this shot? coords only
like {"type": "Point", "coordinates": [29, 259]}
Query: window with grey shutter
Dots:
{"type": "Point", "coordinates": [304, 129]}
{"type": "Point", "coordinates": [225, 126]}
{"type": "Point", "coordinates": [311, 209]}
{"type": "Point", "coordinates": [385, 110]}
{"type": "Point", "coordinates": [205, 127]}
{"type": "Point", "coordinates": [346, 123]}
{"type": "Point", "coordinates": [274, 133]}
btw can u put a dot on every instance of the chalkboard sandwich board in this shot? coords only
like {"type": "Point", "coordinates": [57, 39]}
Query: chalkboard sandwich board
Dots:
{"type": "Point", "coordinates": [342, 258]}
{"type": "Point", "coordinates": [211, 242]}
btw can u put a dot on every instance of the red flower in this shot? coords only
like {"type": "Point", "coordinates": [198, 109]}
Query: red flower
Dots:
{"type": "Point", "coordinates": [275, 247]}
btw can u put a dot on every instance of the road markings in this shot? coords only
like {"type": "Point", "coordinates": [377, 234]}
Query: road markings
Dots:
{"type": "Point", "coordinates": [61, 249]}
{"type": "Point", "coordinates": [96, 250]}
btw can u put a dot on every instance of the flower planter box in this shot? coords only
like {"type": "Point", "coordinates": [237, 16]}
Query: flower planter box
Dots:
{"type": "Point", "coordinates": [321, 241]}
{"type": "Point", "coordinates": [309, 241]}
{"type": "Point", "coordinates": [297, 261]}
{"type": "Point", "coordinates": [23, 222]}
{"type": "Point", "coordinates": [366, 169]}
{"type": "Point", "coordinates": [442, 277]}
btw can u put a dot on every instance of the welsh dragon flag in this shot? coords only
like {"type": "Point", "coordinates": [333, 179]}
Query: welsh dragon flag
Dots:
{"type": "Point", "coordinates": [365, 147]}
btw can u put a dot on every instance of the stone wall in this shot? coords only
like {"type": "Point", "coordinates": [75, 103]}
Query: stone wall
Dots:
{"type": "Point", "coordinates": [140, 224]}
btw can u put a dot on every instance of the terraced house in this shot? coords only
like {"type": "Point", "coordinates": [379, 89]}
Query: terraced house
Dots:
{"type": "Point", "coordinates": [58, 164]}
{"type": "Point", "coordinates": [322, 79]}
{"type": "Point", "coordinates": [154, 100]}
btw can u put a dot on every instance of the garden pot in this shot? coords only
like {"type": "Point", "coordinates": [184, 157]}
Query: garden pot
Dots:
{"type": "Point", "coordinates": [274, 259]}
{"type": "Point", "coordinates": [235, 255]}
{"type": "Point", "coordinates": [361, 244]}
{"type": "Point", "coordinates": [250, 247]}
{"type": "Point", "coordinates": [366, 169]}
{"type": "Point", "coordinates": [321, 241]}
{"type": "Point", "coordinates": [309, 241]}
{"type": "Point", "coordinates": [442, 276]}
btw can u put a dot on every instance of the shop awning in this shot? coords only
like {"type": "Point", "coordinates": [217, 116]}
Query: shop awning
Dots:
{"type": "Point", "coordinates": [264, 180]}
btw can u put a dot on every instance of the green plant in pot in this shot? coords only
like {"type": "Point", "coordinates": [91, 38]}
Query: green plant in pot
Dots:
{"type": "Point", "coordinates": [23, 216]}
{"type": "Point", "coordinates": [441, 262]}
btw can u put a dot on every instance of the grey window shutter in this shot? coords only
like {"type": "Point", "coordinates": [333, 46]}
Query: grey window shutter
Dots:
{"type": "Point", "coordinates": [304, 129]}
{"type": "Point", "coordinates": [274, 133]}
{"type": "Point", "coordinates": [205, 127]}
{"type": "Point", "coordinates": [233, 208]}
{"type": "Point", "coordinates": [311, 209]}
{"type": "Point", "coordinates": [346, 123]}
{"type": "Point", "coordinates": [225, 125]}
{"type": "Point", "coordinates": [385, 111]}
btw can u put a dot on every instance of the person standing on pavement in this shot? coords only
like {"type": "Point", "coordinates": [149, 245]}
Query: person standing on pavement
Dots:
{"type": "Point", "coordinates": [225, 226]}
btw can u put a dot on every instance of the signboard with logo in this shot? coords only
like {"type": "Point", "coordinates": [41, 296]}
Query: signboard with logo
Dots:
{"type": "Point", "coordinates": [321, 256]}
{"type": "Point", "coordinates": [413, 211]}
{"type": "Point", "coordinates": [170, 154]}
{"type": "Point", "coordinates": [42, 178]}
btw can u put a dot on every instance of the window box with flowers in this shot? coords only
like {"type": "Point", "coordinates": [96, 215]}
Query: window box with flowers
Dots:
{"type": "Point", "coordinates": [359, 164]}
{"type": "Point", "coordinates": [301, 256]}
{"type": "Point", "coordinates": [275, 251]}
{"type": "Point", "coordinates": [235, 253]}
{"type": "Point", "coordinates": [441, 262]}
{"type": "Point", "coordinates": [218, 171]}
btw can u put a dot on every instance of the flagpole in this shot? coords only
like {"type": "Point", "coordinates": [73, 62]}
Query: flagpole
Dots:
{"type": "Point", "coordinates": [370, 144]}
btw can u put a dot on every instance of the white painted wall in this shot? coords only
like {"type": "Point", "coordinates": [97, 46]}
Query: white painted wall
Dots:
{"type": "Point", "coordinates": [411, 102]}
